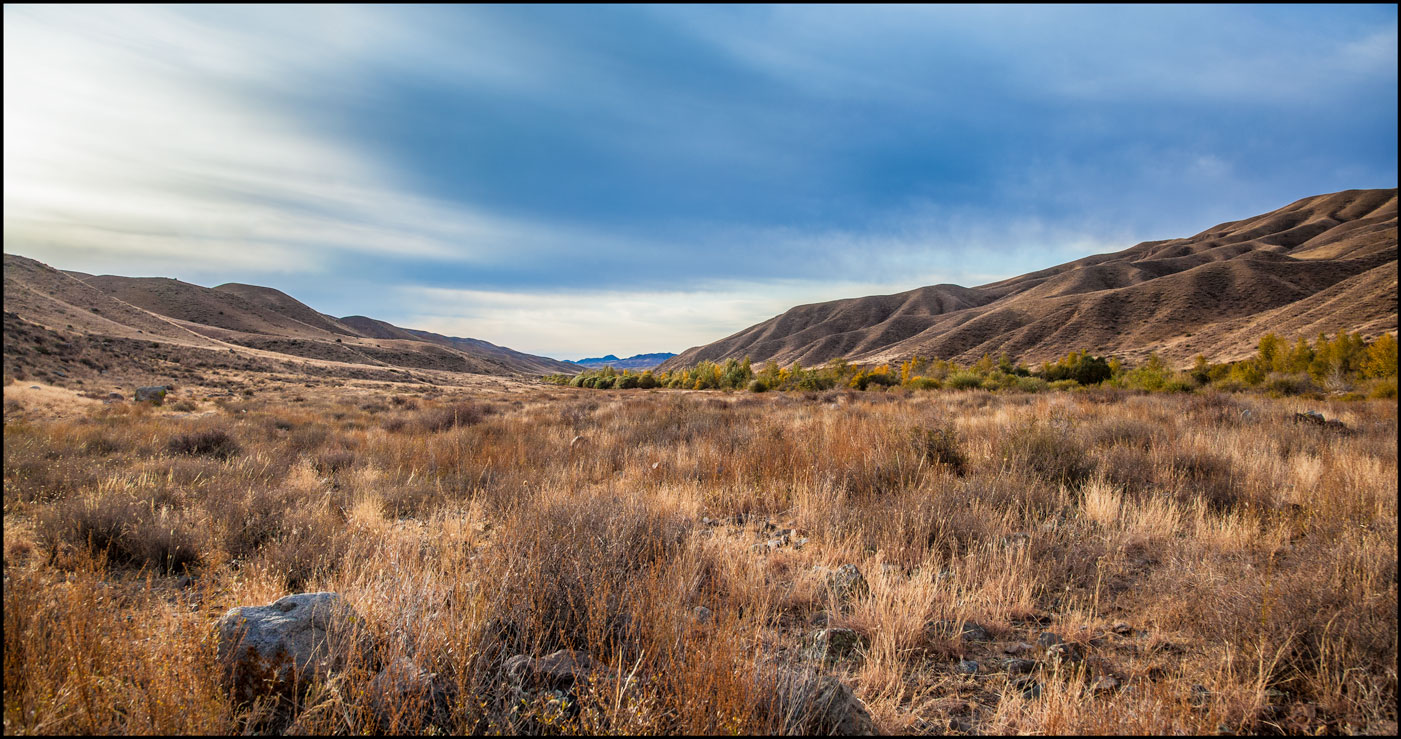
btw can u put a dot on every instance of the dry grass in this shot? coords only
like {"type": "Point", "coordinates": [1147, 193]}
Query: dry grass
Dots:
{"type": "Point", "coordinates": [1253, 559]}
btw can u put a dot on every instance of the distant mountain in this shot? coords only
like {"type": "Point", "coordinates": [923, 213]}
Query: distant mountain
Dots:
{"type": "Point", "coordinates": [229, 325]}
{"type": "Point", "coordinates": [1324, 263]}
{"type": "Point", "coordinates": [635, 362]}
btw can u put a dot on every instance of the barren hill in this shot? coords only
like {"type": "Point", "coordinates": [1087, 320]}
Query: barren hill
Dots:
{"type": "Point", "coordinates": [66, 324]}
{"type": "Point", "coordinates": [1325, 263]}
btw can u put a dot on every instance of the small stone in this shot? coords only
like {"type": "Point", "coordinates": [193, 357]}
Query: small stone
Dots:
{"type": "Point", "coordinates": [967, 667]}
{"type": "Point", "coordinates": [1313, 417]}
{"type": "Point", "coordinates": [1200, 696]}
{"type": "Point", "coordinates": [1030, 687]}
{"type": "Point", "coordinates": [836, 643]}
{"type": "Point", "coordinates": [1064, 652]}
{"type": "Point", "coordinates": [555, 671]}
{"type": "Point", "coordinates": [969, 631]}
{"type": "Point", "coordinates": [1104, 684]}
{"type": "Point", "coordinates": [1019, 666]}
{"type": "Point", "coordinates": [975, 633]}
{"type": "Point", "coordinates": [847, 582]}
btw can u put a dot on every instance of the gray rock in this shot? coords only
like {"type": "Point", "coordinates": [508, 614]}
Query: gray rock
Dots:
{"type": "Point", "coordinates": [555, 671]}
{"type": "Point", "coordinates": [1200, 696]}
{"type": "Point", "coordinates": [847, 582]}
{"type": "Point", "coordinates": [837, 643]}
{"type": "Point", "coordinates": [975, 632]}
{"type": "Point", "coordinates": [1064, 652]}
{"type": "Point", "coordinates": [969, 631]}
{"type": "Point", "coordinates": [822, 705]}
{"type": "Point", "coordinates": [1019, 666]}
{"type": "Point", "coordinates": [283, 646]}
{"type": "Point", "coordinates": [154, 394]}
{"type": "Point", "coordinates": [1030, 687]}
{"type": "Point", "coordinates": [1313, 417]}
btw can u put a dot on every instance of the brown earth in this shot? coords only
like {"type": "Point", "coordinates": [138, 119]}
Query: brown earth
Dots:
{"type": "Point", "coordinates": [1325, 263]}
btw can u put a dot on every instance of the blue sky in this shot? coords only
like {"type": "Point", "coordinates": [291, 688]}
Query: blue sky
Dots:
{"type": "Point", "coordinates": [574, 181]}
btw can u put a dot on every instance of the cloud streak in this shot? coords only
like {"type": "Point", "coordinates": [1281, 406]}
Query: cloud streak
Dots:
{"type": "Point", "coordinates": [664, 156]}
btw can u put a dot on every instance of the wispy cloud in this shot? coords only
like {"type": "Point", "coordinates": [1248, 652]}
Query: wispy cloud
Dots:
{"type": "Point", "coordinates": [644, 159]}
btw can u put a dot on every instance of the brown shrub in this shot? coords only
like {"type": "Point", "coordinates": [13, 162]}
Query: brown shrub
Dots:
{"type": "Point", "coordinates": [215, 443]}
{"type": "Point", "coordinates": [1052, 454]}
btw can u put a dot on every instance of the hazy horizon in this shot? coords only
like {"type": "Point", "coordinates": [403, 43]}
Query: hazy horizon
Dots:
{"type": "Point", "coordinates": [581, 181]}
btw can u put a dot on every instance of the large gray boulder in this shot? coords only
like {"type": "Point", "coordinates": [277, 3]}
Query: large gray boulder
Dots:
{"type": "Point", "coordinates": [154, 394]}
{"type": "Point", "coordinates": [282, 647]}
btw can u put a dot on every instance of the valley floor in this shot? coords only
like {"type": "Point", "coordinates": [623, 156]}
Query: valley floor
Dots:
{"type": "Point", "coordinates": [963, 561]}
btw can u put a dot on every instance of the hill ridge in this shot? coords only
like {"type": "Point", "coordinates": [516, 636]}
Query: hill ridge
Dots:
{"type": "Point", "coordinates": [245, 321]}
{"type": "Point", "coordinates": [1214, 293]}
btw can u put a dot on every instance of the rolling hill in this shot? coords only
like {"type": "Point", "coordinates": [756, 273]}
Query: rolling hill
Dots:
{"type": "Point", "coordinates": [1324, 263]}
{"type": "Point", "coordinates": [91, 319]}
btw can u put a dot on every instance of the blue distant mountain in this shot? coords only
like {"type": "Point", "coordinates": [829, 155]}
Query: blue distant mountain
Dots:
{"type": "Point", "coordinates": [635, 362]}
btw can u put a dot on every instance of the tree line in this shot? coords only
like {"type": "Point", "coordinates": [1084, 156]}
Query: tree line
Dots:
{"type": "Point", "coordinates": [1345, 363]}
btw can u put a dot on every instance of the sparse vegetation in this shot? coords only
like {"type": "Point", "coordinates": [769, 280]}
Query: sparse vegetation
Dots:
{"type": "Point", "coordinates": [1343, 363]}
{"type": "Point", "coordinates": [1212, 563]}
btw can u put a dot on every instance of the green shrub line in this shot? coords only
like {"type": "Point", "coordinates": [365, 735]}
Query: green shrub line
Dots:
{"type": "Point", "coordinates": [1346, 363]}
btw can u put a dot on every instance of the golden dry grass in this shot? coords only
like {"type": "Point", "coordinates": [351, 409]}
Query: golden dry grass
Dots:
{"type": "Point", "coordinates": [1253, 559]}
